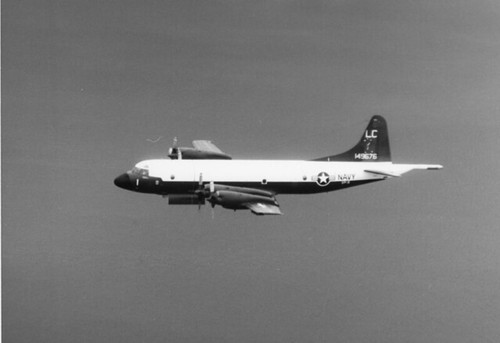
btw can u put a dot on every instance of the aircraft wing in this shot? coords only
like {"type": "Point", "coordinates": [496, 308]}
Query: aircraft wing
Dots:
{"type": "Point", "coordinates": [207, 146]}
{"type": "Point", "coordinates": [262, 208]}
{"type": "Point", "coordinates": [201, 150]}
{"type": "Point", "coordinates": [258, 201]}
{"type": "Point", "coordinates": [204, 149]}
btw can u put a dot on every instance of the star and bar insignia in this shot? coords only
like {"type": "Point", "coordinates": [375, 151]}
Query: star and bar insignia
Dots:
{"type": "Point", "coordinates": [323, 179]}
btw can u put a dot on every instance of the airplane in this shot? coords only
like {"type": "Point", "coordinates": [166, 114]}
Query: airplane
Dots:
{"type": "Point", "coordinates": [203, 173]}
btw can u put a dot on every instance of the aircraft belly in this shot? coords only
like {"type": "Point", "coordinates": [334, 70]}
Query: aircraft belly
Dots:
{"type": "Point", "coordinates": [275, 187]}
{"type": "Point", "coordinates": [312, 187]}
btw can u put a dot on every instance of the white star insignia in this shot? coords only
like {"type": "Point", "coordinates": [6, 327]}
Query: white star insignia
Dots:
{"type": "Point", "coordinates": [323, 179]}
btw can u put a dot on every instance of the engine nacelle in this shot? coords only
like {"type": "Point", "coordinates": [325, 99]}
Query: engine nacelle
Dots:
{"type": "Point", "coordinates": [185, 199]}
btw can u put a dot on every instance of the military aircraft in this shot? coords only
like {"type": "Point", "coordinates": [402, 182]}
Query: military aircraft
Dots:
{"type": "Point", "coordinates": [203, 173]}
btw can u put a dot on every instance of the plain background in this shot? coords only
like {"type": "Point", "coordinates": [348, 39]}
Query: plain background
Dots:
{"type": "Point", "coordinates": [85, 84]}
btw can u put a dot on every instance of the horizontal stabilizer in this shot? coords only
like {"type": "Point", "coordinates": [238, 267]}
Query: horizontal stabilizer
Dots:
{"type": "Point", "coordinates": [397, 170]}
{"type": "Point", "coordinates": [383, 173]}
{"type": "Point", "coordinates": [434, 167]}
{"type": "Point", "coordinates": [403, 168]}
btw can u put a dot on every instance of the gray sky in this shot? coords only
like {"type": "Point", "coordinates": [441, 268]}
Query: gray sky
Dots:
{"type": "Point", "coordinates": [85, 83]}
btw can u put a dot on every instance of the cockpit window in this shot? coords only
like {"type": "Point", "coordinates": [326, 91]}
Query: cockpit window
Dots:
{"type": "Point", "coordinates": [140, 171]}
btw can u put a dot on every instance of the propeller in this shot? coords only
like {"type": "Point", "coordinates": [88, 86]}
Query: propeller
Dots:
{"type": "Point", "coordinates": [200, 191]}
{"type": "Point", "coordinates": [205, 192]}
{"type": "Point", "coordinates": [208, 193]}
{"type": "Point", "coordinates": [212, 191]}
{"type": "Point", "coordinates": [174, 150]}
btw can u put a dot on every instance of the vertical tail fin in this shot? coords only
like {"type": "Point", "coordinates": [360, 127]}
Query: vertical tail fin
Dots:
{"type": "Point", "coordinates": [372, 147]}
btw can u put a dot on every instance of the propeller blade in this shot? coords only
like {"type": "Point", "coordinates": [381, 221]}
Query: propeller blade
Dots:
{"type": "Point", "coordinates": [200, 191]}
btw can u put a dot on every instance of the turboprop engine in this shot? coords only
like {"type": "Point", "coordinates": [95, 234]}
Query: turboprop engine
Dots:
{"type": "Point", "coordinates": [234, 199]}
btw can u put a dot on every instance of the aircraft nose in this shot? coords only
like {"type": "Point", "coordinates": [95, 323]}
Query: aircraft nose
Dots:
{"type": "Point", "coordinates": [123, 181]}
